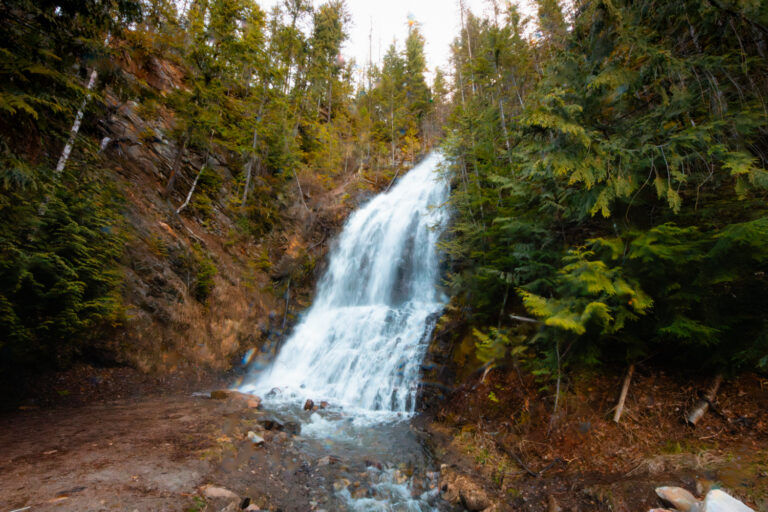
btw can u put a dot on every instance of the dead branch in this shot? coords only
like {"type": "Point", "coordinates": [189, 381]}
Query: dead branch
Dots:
{"type": "Point", "coordinates": [623, 396]}
{"type": "Point", "coordinates": [701, 408]}
{"type": "Point", "coordinates": [525, 319]}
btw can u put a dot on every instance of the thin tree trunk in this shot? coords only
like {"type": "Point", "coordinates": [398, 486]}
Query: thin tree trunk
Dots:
{"type": "Point", "coordinates": [249, 165]}
{"type": "Point", "coordinates": [177, 162]}
{"type": "Point", "coordinates": [76, 126]}
{"type": "Point", "coordinates": [623, 395]}
{"type": "Point", "coordinates": [78, 120]}
{"type": "Point", "coordinates": [197, 178]}
{"type": "Point", "coordinates": [301, 193]}
{"type": "Point", "coordinates": [330, 96]}
{"type": "Point", "coordinates": [469, 45]}
{"type": "Point", "coordinates": [287, 302]}
{"type": "Point", "coordinates": [191, 190]}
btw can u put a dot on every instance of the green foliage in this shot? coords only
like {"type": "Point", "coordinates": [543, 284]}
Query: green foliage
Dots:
{"type": "Point", "coordinates": [612, 176]}
{"type": "Point", "coordinates": [205, 272]}
{"type": "Point", "coordinates": [496, 345]}
{"type": "Point", "coordinates": [59, 283]}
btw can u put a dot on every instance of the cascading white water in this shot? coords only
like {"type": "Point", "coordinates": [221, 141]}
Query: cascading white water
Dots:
{"type": "Point", "coordinates": [361, 342]}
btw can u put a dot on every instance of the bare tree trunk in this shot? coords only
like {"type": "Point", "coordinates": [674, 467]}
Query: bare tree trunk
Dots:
{"type": "Point", "coordinates": [469, 44]}
{"type": "Point", "coordinates": [177, 162]}
{"type": "Point", "coordinates": [623, 395]}
{"type": "Point", "coordinates": [249, 166]}
{"type": "Point", "coordinates": [197, 178]}
{"type": "Point", "coordinates": [191, 190]}
{"type": "Point", "coordinates": [76, 126]}
{"type": "Point", "coordinates": [301, 193]}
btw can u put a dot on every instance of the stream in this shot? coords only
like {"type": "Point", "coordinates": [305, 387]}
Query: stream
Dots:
{"type": "Point", "coordinates": [357, 351]}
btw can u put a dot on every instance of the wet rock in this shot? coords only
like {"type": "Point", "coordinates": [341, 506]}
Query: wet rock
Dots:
{"type": "Point", "coordinates": [271, 423]}
{"type": "Point", "coordinates": [250, 401]}
{"type": "Point", "coordinates": [324, 405]}
{"type": "Point", "coordinates": [292, 427]}
{"type": "Point", "coordinates": [309, 405]}
{"type": "Point", "coordinates": [399, 477]}
{"type": "Point", "coordinates": [373, 464]}
{"type": "Point", "coordinates": [340, 485]}
{"type": "Point", "coordinates": [328, 459]}
{"type": "Point", "coordinates": [212, 492]}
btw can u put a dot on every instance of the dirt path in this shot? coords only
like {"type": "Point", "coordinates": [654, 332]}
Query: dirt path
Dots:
{"type": "Point", "coordinates": [166, 453]}
{"type": "Point", "coordinates": [132, 454]}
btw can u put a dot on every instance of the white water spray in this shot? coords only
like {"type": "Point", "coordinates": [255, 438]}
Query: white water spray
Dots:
{"type": "Point", "coordinates": [362, 341]}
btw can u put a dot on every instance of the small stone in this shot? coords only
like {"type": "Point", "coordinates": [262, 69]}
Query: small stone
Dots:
{"type": "Point", "coordinates": [324, 405]}
{"type": "Point", "coordinates": [252, 508]}
{"type": "Point", "coordinates": [309, 405]}
{"type": "Point", "coordinates": [255, 438]}
{"type": "Point", "coordinates": [213, 492]}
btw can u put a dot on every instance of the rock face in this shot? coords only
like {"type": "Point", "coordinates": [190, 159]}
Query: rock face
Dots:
{"type": "Point", "coordinates": [169, 327]}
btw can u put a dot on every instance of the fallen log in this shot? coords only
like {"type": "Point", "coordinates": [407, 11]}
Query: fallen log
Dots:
{"type": "Point", "coordinates": [703, 405]}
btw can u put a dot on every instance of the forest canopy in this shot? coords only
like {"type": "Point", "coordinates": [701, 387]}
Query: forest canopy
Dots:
{"type": "Point", "coordinates": [610, 163]}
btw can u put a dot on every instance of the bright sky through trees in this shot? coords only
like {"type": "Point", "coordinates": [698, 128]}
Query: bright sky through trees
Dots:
{"type": "Point", "coordinates": [439, 19]}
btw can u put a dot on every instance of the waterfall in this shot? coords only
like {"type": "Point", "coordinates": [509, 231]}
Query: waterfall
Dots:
{"type": "Point", "coordinates": [361, 343]}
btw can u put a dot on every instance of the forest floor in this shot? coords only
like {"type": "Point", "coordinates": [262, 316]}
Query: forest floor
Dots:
{"type": "Point", "coordinates": [501, 435]}
{"type": "Point", "coordinates": [166, 445]}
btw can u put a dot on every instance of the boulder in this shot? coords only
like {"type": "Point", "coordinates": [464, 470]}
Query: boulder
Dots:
{"type": "Point", "coordinates": [309, 405]}
{"type": "Point", "coordinates": [679, 498]}
{"type": "Point", "coordinates": [683, 501]}
{"type": "Point", "coordinates": [718, 501]}
{"type": "Point", "coordinates": [458, 489]}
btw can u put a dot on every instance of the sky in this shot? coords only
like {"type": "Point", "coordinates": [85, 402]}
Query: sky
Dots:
{"type": "Point", "coordinates": [439, 19]}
